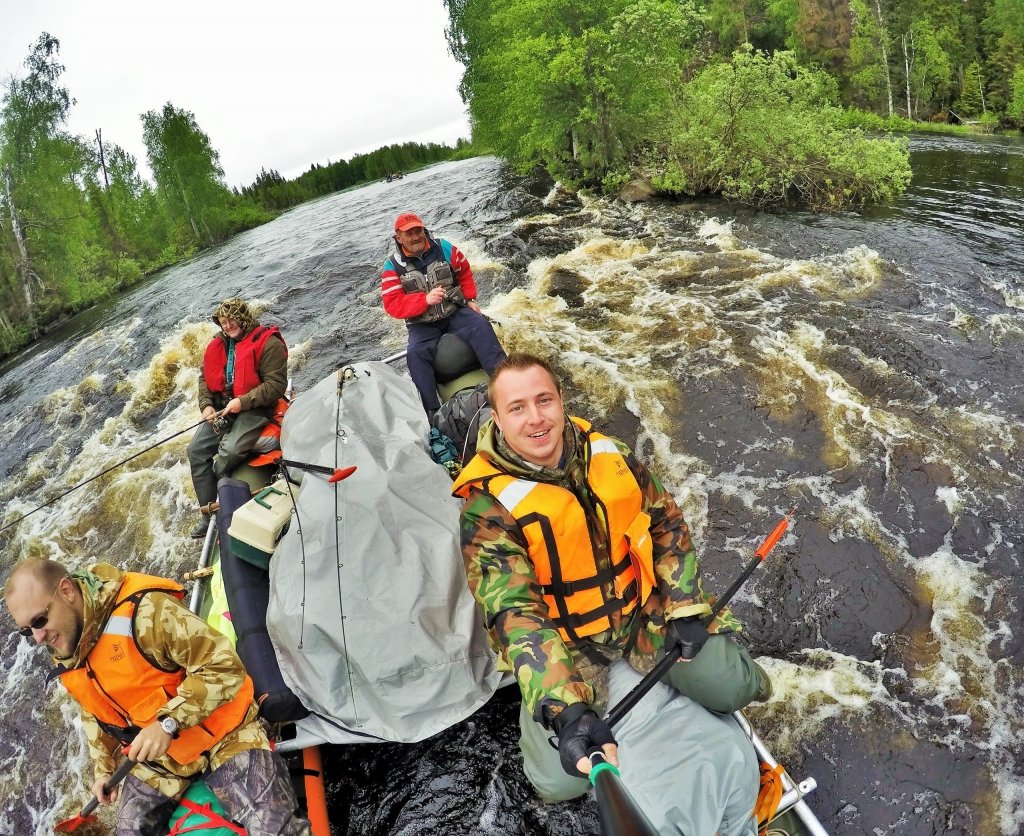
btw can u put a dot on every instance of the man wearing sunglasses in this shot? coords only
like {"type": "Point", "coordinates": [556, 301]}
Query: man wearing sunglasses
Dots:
{"type": "Point", "coordinates": [152, 676]}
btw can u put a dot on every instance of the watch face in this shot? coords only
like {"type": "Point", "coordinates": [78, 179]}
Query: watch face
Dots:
{"type": "Point", "coordinates": [169, 725]}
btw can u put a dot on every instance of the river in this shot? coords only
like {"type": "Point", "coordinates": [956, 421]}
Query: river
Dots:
{"type": "Point", "coordinates": [866, 368]}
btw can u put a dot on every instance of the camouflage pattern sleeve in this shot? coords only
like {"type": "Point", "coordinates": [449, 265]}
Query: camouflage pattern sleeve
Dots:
{"type": "Point", "coordinates": [175, 637]}
{"type": "Point", "coordinates": [102, 747]}
{"type": "Point", "coordinates": [502, 579]}
{"type": "Point", "coordinates": [675, 559]}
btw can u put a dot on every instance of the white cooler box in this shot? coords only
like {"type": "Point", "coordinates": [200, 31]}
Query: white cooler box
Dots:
{"type": "Point", "coordinates": [257, 526]}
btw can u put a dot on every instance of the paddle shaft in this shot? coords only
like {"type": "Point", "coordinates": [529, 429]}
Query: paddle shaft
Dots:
{"type": "Point", "coordinates": [671, 657]}
{"type": "Point", "coordinates": [619, 813]}
{"type": "Point", "coordinates": [119, 775]}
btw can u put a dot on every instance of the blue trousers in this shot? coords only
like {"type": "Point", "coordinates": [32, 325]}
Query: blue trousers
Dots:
{"type": "Point", "coordinates": [472, 328]}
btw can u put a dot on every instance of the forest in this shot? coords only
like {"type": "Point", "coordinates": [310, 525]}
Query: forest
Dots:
{"type": "Point", "coordinates": [79, 222]}
{"type": "Point", "coordinates": [773, 103]}
{"type": "Point", "coordinates": [761, 101]}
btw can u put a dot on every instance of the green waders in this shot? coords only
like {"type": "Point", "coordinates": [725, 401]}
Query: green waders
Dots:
{"type": "Point", "coordinates": [663, 726]}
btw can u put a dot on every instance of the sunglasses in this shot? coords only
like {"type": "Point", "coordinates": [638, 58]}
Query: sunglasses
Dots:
{"type": "Point", "coordinates": [41, 620]}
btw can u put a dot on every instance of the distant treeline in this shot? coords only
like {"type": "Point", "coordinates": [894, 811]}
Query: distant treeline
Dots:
{"type": "Point", "coordinates": [78, 223]}
{"type": "Point", "coordinates": [743, 98]}
{"type": "Point", "coordinates": [273, 191]}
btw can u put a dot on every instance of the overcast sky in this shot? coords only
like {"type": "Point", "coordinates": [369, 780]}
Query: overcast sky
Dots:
{"type": "Point", "coordinates": [278, 84]}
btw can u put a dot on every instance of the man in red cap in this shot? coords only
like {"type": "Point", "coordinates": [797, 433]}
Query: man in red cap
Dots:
{"type": "Point", "coordinates": [428, 283]}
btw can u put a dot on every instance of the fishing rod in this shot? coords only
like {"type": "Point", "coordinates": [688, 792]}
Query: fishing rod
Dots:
{"type": "Point", "coordinates": [671, 657]}
{"type": "Point", "coordinates": [104, 473]}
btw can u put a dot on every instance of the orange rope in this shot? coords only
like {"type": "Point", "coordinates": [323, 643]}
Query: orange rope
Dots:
{"type": "Point", "coordinates": [769, 796]}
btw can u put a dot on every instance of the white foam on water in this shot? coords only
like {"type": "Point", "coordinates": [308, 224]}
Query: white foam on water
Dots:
{"type": "Point", "coordinates": [829, 687]}
{"type": "Point", "coordinates": [963, 676]}
{"type": "Point", "coordinates": [950, 497]}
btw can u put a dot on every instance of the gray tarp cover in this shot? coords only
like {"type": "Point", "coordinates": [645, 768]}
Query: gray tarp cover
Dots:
{"type": "Point", "coordinates": [373, 623]}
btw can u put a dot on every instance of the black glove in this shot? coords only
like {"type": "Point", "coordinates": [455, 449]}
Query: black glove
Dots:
{"type": "Point", "coordinates": [580, 731]}
{"type": "Point", "coordinates": [689, 634]}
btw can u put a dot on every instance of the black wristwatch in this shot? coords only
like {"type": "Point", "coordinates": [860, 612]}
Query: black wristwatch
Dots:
{"type": "Point", "coordinates": [170, 725]}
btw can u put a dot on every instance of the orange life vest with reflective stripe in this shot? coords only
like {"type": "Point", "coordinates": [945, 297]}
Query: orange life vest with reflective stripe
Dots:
{"type": "Point", "coordinates": [580, 595]}
{"type": "Point", "coordinates": [248, 353]}
{"type": "Point", "coordinates": [123, 688]}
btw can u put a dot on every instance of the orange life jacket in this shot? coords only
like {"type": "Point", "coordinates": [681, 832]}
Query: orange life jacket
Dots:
{"type": "Point", "coordinates": [559, 544]}
{"type": "Point", "coordinates": [248, 352]}
{"type": "Point", "coordinates": [123, 688]}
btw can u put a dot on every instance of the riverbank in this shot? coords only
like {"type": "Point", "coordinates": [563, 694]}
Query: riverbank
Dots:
{"type": "Point", "coordinates": [248, 212]}
{"type": "Point", "coordinates": [986, 125]}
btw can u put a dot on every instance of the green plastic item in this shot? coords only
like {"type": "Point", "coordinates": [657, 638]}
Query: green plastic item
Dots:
{"type": "Point", "coordinates": [184, 820]}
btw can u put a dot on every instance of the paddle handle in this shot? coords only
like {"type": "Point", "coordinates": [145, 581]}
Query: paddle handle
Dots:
{"type": "Point", "coordinates": [119, 775]}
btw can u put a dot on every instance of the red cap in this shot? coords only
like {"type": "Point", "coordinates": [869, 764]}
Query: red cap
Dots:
{"type": "Point", "coordinates": [407, 220]}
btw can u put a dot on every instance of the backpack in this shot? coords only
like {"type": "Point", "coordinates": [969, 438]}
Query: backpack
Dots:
{"type": "Point", "coordinates": [461, 416]}
{"type": "Point", "coordinates": [444, 452]}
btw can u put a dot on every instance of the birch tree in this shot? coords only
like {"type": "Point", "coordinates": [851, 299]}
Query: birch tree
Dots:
{"type": "Point", "coordinates": [187, 171]}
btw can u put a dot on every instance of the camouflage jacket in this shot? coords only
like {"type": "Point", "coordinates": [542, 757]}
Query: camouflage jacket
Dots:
{"type": "Point", "coordinates": [552, 673]}
{"type": "Point", "coordinates": [170, 633]}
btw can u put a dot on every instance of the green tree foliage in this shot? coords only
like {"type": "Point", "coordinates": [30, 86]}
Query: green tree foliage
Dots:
{"type": "Point", "coordinates": [867, 76]}
{"type": "Point", "coordinates": [600, 91]}
{"type": "Point", "coordinates": [568, 84]}
{"type": "Point", "coordinates": [1003, 28]}
{"type": "Point", "coordinates": [1015, 108]}
{"type": "Point", "coordinates": [188, 174]}
{"type": "Point", "coordinates": [971, 101]}
{"type": "Point", "coordinates": [805, 158]}
{"type": "Point", "coordinates": [549, 62]}
{"type": "Point", "coordinates": [48, 229]}
{"type": "Point", "coordinates": [274, 192]}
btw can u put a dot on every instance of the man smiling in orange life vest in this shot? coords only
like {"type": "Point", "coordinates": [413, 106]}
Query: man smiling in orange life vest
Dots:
{"type": "Point", "coordinates": [579, 559]}
{"type": "Point", "coordinates": [245, 373]}
{"type": "Point", "coordinates": [150, 674]}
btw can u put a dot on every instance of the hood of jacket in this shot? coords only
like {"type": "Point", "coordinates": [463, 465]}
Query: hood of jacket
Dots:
{"type": "Point", "coordinates": [99, 585]}
{"type": "Point", "coordinates": [491, 445]}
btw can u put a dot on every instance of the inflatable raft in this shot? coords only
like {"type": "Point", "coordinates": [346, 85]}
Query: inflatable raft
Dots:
{"type": "Point", "coordinates": [310, 569]}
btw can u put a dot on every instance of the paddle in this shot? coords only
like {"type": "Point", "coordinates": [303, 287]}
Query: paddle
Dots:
{"type": "Point", "coordinates": [86, 817]}
{"type": "Point", "coordinates": [659, 670]}
{"type": "Point", "coordinates": [619, 813]}
{"type": "Point", "coordinates": [334, 474]}
{"type": "Point", "coordinates": [104, 473]}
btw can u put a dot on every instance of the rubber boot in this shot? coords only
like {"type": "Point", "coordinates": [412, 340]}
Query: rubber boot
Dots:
{"type": "Point", "coordinates": [199, 532]}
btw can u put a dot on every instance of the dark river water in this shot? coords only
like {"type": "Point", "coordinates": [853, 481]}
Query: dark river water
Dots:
{"type": "Point", "coordinates": [865, 368]}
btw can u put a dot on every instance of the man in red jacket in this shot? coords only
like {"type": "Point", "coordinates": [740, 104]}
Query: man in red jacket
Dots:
{"type": "Point", "coordinates": [245, 374]}
{"type": "Point", "coordinates": [428, 283]}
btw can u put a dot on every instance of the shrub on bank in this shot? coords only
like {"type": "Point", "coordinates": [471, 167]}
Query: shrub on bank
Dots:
{"type": "Point", "coordinates": [764, 131]}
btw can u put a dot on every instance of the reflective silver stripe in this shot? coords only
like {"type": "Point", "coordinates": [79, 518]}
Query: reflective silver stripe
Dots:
{"type": "Point", "coordinates": [603, 445]}
{"type": "Point", "coordinates": [118, 625]}
{"type": "Point", "coordinates": [515, 493]}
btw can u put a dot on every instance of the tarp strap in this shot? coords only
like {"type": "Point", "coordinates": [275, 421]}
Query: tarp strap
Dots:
{"type": "Point", "coordinates": [769, 796]}
{"type": "Point", "coordinates": [213, 820]}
